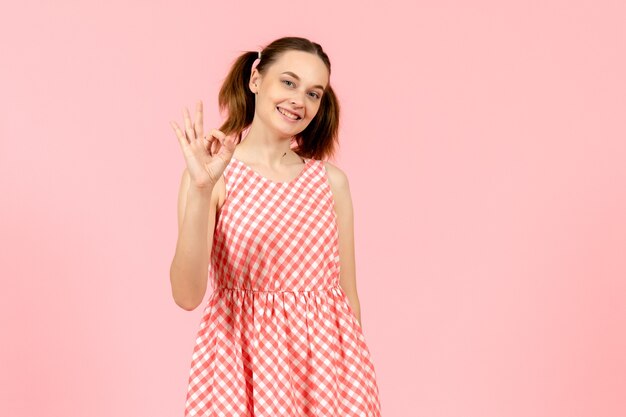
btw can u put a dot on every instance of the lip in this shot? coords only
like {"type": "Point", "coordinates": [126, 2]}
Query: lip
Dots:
{"type": "Point", "coordinates": [290, 111]}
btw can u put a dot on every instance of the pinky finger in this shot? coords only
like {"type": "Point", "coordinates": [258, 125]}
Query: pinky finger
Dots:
{"type": "Point", "coordinates": [179, 134]}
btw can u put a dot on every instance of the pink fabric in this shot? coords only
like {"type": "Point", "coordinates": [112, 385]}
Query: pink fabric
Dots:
{"type": "Point", "coordinates": [278, 336]}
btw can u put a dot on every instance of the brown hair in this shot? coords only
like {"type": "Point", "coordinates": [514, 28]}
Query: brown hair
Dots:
{"type": "Point", "coordinates": [319, 139]}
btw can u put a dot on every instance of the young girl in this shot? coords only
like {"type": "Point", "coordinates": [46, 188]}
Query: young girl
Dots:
{"type": "Point", "coordinates": [281, 333]}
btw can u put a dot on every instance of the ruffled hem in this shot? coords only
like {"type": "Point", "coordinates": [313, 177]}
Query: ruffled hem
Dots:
{"type": "Point", "coordinates": [281, 353]}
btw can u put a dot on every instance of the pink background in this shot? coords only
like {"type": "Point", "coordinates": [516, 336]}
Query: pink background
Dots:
{"type": "Point", "coordinates": [485, 144]}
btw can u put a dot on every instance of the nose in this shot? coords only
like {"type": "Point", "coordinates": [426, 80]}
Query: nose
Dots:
{"type": "Point", "coordinates": [297, 100]}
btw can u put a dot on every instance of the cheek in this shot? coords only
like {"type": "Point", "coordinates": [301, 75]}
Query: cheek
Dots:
{"type": "Point", "coordinates": [313, 109]}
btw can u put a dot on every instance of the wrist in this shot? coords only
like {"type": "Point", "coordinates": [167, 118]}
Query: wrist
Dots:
{"type": "Point", "coordinates": [195, 191]}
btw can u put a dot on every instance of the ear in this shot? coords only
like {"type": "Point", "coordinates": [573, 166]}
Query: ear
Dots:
{"type": "Point", "coordinates": [255, 80]}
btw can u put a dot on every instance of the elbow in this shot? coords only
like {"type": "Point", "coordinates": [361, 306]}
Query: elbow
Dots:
{"type": "Point", "coordinates": [186, 305]}
{"type": "Point", "coordinates": [188, 302]}
{"type": "Point", "coordinates": [186, 298]}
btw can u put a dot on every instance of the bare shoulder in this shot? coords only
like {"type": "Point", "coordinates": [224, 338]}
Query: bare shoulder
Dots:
{"type": "Point", "coordinates": [340, 188]}
{"type": "Point", "coordinates": [220, 185]}
{"type": "Point", "coordinates": [336, 176]}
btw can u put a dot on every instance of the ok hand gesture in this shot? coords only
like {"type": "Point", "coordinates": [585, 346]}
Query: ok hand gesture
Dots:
{"type": "Point", "coordinates": [206, 156]}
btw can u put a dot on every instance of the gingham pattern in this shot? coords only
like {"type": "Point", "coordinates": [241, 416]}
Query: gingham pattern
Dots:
{"type": "Point", "coordinates": [278, 336]}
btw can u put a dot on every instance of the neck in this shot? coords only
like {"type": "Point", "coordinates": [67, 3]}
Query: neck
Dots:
{"type": "Point", "coordinates": [262, 146]}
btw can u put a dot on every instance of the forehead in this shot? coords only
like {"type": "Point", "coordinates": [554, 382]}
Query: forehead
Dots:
{"type": "Point", "coordinates": [308, 67]}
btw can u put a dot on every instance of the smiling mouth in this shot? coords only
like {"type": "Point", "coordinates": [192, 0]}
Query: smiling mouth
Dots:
{"type": "Point", "coordinates": [288, 114]}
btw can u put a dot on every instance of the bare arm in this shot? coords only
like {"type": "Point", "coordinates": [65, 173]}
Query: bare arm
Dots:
{"type": "Point", "coordinates": [345, 223]}
{"type": "Point", "coordinates": [197, 209]}
{"type": "Point", "coordinates": [201, 185]}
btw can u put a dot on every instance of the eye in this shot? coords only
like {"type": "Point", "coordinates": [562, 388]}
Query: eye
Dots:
{"type": "Point", "coordinates": [316, 95]}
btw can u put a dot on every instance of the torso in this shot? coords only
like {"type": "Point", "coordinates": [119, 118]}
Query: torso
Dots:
{"type": "Point", "coordinates": [221, 186]}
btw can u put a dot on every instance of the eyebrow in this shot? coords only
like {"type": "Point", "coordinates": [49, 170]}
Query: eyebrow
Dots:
{"type": "Point", "coordinates": [298, 78]}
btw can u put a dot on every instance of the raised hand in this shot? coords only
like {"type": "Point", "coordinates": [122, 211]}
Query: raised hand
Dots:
{"type": "Point", "coordinates": [206, 156]}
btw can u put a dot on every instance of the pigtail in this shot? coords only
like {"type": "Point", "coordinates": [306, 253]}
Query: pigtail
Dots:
{"type": "Point", "coordinates": [235, 98]}
{"type": "Point", "coordinates": [321, 136]}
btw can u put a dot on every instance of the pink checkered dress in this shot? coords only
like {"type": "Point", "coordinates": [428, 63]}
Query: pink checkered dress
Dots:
{"type": "Point", "coordinates": [278, 336]}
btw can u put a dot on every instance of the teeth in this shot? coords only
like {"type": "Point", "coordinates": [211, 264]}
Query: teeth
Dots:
{"type": "Point", "coordinates": [288, 114]}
